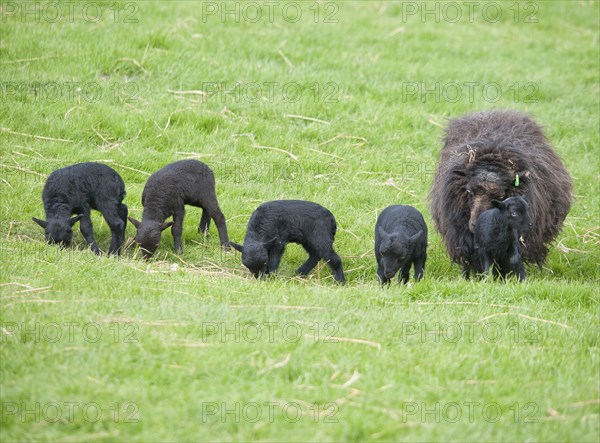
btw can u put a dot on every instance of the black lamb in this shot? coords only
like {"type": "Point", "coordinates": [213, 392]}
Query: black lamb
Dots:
{"type": "Point", "coordinates": [77, 189]}
{"type": "Point", "coordinates": [400, 242]}
{"type": "Point", "coordinates": [276, 223]}
{"type": "Point", "coordinates": [167, 191]}
{"type": "Point", "coordinates": [497, 233]}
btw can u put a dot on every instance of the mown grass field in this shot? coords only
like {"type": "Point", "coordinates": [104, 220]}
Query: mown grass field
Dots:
{"type": "Point", "coordinates": [339, 103]}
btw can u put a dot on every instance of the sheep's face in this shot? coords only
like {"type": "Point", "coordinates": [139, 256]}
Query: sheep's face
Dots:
{"type": "Point", "coordinates": [58, 231]}
{"type": "Point", "coordinates": [148, 239]}
{"type": "Point", "coordinates": [483, 185]}
{"type": "Point", "coordinates": [148, 235]}
{"type": "Point", "coordinates": [517, 213]}
{"type": "Point", "coordinates": [396, 250]}
{"type": "Point", "coordinates": [254, 257]}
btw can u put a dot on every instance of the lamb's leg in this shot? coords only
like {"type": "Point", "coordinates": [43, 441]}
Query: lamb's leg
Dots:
{"type": "Point", "coordinates": [486, 263]}
{"type": "Point", "coordinates": [420, 267]}
{"type": "Point", "coordinates": [112, 213]}
{"type": "Point", "coordinates": [516, 264]}
{"type": "Point", "coordinates": [275, 255]}
{"type": "Point", "coordinates": [468, 254]}
{"type": "Point", "coordinates": [466, 272]}
{"type": "Point", "coordinates": [204, 223]}
{"type": "Point", "coordinates": [309, 264]}
{"type": "Point", "coordinates": [87, 230]}
{"type": "Point", "coordinates": [177, 229]}
{"type": "Point", "coordinates": [123, 212]}
{"type": "Point", "coordinates": [403, 275]}
{"type": "Point", "coordinates": [501, 268]}
{"type": "Point", "coordinates": [467, 267]}
{"type": "Point", "coordinates": [335, 263]}
{"type": "Point", "coordinates": [215, 213]}
{"type": "Point", "coordinates": [520, 271]}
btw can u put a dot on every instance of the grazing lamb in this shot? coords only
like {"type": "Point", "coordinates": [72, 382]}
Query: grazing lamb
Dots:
{"type": "Point", "coordinates": [494, 155]}
{"type": "Point", "coordinates": [276, 223]}
{"type": "Point", "coordinates": [497, 233]}
{"type": "Point", "coordinates": [75, 190]}
{"type": "Point", "coordinates": [400, 242]}
{"type": "Point", "coordinates": [167, 191]}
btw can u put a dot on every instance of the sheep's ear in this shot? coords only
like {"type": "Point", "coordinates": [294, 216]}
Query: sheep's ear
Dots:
{"type": "Point", "coordinates": [134, 222]}
{"type": "Point", "coordinates": [42, 223]}
{"type": "Point", "coordinates": [75, 219]}
{"type": "Point", "coordinates": [498, 204]}
{"type": "Point", "coordinates": [237, 246]}
{"type": "Point", "coordinates": [165, 225]}
{"type": "Point", "coordinates": [270, 243]}
{"type": "Point", "coordinates": [416, 236]}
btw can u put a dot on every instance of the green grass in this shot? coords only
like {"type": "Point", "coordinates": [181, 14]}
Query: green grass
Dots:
{"type": "Point", "coordinates": [118, 349]}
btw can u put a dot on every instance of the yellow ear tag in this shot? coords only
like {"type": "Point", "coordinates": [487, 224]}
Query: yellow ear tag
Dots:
{"type": "Point", "coordinates": [517, 181]}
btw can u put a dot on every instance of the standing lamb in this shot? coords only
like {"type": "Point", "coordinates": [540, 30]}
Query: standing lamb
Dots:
{"type": "Point", "coordinates": [400, 242]}
{"type": "Point", "coordinates": [167, 191]}
{"type": "Point", "coordinates": [77, 189]}
{"type": "Point", "coordinates": [277, 223]}
{"type": "Point", "coordinates": [497, 233]}
{"type": "Point", "coordinates": [494, 155]}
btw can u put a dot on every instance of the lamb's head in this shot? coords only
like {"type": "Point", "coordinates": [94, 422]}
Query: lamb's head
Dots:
{"type": "Point", "coordinates": [395, 250]}
{"type": "Point", "coordinates": [255, 255]}
{"type": "Point", "coordinates": [148, 234]}
{"type": "Point", "coordinates": [484, 182]}
{"type": "Point", "coordinates": [517, 213]}
{"type": "Point", "coordinates": [58, 230]}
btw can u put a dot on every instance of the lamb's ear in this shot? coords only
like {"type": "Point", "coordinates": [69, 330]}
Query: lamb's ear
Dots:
{"type": "Point", "coordinates": [498, 204]}
{"type": "Point", "coordinates": [237, 246]}
{"type": "Point", "coordinates": [165, 225]}
{"type": "Point", "coordinates": [134, 222]}
{"type": "Point", "coordinates": [382, 233]}
{"type": "Point", "coordinates": [270, 243]}
{"type": "Point", "coordinates": [75, 219]}
{"type": "Point", "coordinates": [415, 237]}
{"type": "Point", "coordinates": [42, 223]}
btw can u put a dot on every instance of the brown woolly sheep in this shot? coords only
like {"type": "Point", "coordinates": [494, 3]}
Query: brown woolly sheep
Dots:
{"type": "Point", "coordinates": [494, 155]}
